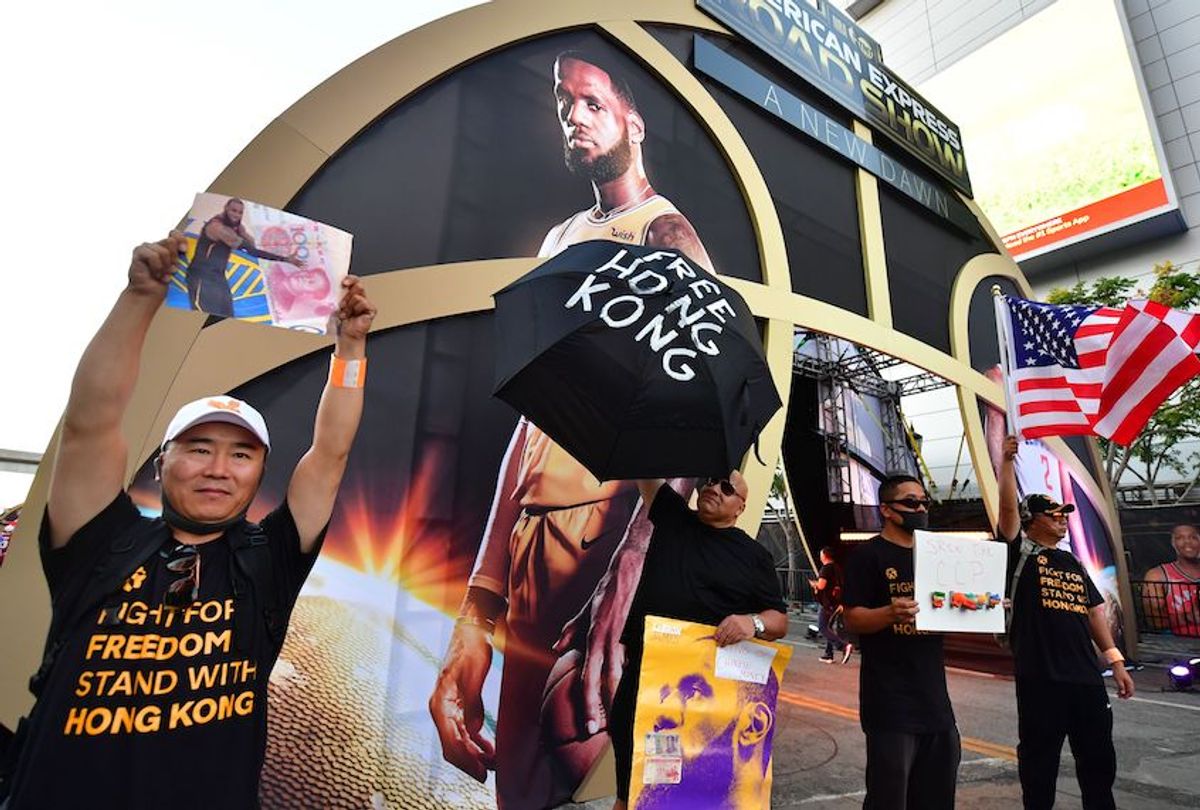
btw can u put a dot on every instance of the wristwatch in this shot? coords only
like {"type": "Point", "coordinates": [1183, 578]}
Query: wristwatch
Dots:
{"type": "Point", "coordinates": [759, 626]}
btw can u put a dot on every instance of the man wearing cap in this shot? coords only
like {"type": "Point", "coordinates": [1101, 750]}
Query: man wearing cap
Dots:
{"type": "Point", "coordinates": [153, 690]}
{"type": "Point", "coordinates": [1057, 615]}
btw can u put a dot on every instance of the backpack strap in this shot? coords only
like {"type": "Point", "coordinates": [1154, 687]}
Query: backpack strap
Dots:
{"type": "Point", "coordinates": [252, 564]}
{"type": "Point", "coordinates": [1028, 548]}
{"type": "Point", "coordinates": [126, 552]}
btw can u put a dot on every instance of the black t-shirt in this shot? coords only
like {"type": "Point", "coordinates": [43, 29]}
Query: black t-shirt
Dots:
{"type": "Point", "coordinates": [696, 573]}
{"type": "Point", "coordinates": [1050, 634]}
{"type": "Point", "coordinates": [161, 709]}
{"type": "Point", "coordinates": [831, 595]}
{"type": "Point", "coordinates": [902, 683]}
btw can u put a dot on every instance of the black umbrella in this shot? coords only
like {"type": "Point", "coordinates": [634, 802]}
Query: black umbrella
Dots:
{"type": "Point", "coordinates": [635, 360]}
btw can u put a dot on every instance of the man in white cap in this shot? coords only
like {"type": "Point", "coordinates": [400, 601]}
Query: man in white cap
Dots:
{"type": "Point", "coordinates": [153, 688]}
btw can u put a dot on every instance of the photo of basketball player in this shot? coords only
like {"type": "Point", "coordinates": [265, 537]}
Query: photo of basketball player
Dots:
{"type": "Point", "coordinates": [1171, 591]}
{"type": "Point", "coordinates": [553, 528]}
{"type": "Point", "coordinates": [222, 234]}
{"type": "Point", "coordinates": [722, 728]}
{"type": "Point", "coordinates": [255, 263]}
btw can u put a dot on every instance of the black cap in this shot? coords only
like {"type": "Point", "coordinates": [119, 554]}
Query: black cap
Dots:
{"type": "Point", "coordinates": [1038, 504]}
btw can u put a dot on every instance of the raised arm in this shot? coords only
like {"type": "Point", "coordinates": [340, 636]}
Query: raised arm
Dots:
{"type": "Point", "coordinates": [1009, 523]}
{"type": "Point", "coordinates": [648, 488]}
{"type": "Point", "coordinates": [89, 468]}
{"type": "Point", "coordinates": [314, 485]}
{"type": "Point", "coordinates": [247, 245]}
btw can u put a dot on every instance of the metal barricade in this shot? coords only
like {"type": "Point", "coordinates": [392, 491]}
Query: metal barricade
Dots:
{"type": "Point", "coordinates": [795, 587]}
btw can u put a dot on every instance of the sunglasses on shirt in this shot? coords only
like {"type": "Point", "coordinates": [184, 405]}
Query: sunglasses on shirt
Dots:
{"type": "Point", "coordinates": [184, 591]}
{"type": "Point", "coordinates": [724, 484]}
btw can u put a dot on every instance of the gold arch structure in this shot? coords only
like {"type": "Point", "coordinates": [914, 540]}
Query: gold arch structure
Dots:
{"type": "Point", "coordinates": [185, 360]}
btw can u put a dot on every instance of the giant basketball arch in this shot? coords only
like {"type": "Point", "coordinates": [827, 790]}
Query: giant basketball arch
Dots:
{"type": "Point", "coordinates": [412, 512]}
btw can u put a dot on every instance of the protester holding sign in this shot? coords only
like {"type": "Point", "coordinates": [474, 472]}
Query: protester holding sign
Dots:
{"type": "Point", "coordinates": [913, 747]}
{"type": "Point", "coordinates": [153, 691]}
{"type": "Point", "coordinates": [699, 567]}
{"type": "Point", "coordinates": [1057, 613]}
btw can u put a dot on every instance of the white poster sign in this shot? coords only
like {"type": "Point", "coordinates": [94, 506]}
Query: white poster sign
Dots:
{"type": "Point", "coordinates": [959, 583]}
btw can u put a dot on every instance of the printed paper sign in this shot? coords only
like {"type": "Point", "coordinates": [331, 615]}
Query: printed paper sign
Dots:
{"type": "Point", "coordinates": [259, 264]}
{"type": "Point", "coordinates": [705, 719]}
{"type": "Point", "coordinates": [959, 583]}
{"type": "Point", "coordinates": [747, 661]}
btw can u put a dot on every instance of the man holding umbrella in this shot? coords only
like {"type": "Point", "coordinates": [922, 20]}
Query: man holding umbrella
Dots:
{"type": "Point", "coordinates": [699, 567]}
{"type": "Point", "coordinates": [554, 527]}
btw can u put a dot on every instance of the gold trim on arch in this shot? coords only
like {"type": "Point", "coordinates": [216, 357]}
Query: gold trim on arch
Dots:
{"type": "Point", "coordinates": [870, 233]}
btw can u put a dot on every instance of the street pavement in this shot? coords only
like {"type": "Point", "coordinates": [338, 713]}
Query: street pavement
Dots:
{"type": "Point", "coordinates": [820, 756]}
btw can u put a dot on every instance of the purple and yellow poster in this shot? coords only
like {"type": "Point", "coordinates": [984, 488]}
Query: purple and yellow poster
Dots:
{"type": "Point", "coordinates": [706, 718]}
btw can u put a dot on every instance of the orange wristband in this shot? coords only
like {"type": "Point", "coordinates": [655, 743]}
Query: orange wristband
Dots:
{"type": "Point", "coordinates": [347, 373]}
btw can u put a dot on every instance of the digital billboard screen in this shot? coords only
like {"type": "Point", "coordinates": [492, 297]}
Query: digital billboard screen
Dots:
{"type": "Point", "coordinates": [1061, 148]}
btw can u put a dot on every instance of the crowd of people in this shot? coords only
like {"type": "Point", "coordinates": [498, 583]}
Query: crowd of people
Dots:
{"type": "Point", "coordinates": [912, 739]}
{"type": "Point", "coordinates": [218, 589]}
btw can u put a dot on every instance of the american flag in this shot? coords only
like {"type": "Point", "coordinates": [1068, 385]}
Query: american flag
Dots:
{"type": "Point", "coordinates": [1093, 370]}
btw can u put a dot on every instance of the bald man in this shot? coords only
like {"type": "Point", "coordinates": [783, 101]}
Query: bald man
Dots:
{"type": "Point", "coordinates": [699, 567]}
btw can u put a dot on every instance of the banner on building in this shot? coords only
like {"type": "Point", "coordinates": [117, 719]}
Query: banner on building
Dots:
{"type": "Point", "coordinates": [833, 54]}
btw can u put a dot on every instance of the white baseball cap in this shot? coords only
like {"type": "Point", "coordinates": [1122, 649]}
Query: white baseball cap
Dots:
{"type": "Point", "coordinates": [218, 409]}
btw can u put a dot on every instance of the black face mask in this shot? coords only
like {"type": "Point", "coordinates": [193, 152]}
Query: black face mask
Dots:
{"type": "Point", "coordinates": [178, 521]}
{"type": "Point", "coordinates": [911, 521]}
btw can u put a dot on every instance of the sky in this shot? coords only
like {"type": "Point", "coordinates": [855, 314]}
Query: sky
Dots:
{"type": "Point", "coordinates": [108, 134]}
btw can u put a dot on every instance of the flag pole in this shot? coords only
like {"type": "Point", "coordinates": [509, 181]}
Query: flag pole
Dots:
{"type": "Point", "coordinates": [1002, 340]}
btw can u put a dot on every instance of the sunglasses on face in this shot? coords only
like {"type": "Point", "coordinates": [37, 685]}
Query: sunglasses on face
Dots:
{"type": "Point", "coordinates": [912, 504]}
{"type": "Point", "coordinates": [727, 488]}
{"type": "Point", "coordinates": [184, 560]}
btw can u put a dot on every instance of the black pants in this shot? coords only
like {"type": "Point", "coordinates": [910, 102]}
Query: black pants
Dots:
{"type": "Point", "coordinates": [824, 616]}
{"type": "Point", "coordinates": [1046, 713]}
{"type": "Point", "coordinates": [912, 771]}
